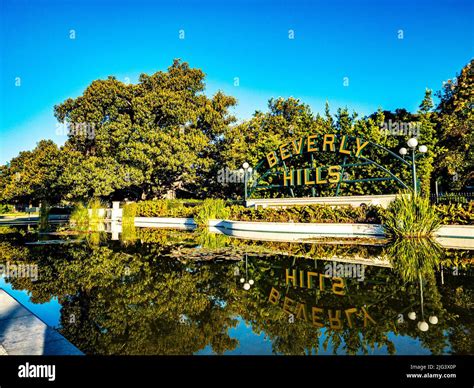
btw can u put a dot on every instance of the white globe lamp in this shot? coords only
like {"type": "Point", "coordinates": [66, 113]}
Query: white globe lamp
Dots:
{"type": "Point", "coordinates": [412, 143]}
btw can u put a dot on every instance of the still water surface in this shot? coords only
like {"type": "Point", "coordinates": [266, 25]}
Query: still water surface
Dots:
{"type": "Point", "coordinates": [193, 292]}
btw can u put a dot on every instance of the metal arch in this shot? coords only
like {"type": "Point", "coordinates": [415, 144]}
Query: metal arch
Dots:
{"type": "Point", "coordinates": [281, 163]}
{"type": "Point", "coordinates": [387, 171]}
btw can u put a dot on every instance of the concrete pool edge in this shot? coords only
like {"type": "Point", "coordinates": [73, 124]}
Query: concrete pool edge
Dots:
{"type": "Point", "coordinates": [23, 333]}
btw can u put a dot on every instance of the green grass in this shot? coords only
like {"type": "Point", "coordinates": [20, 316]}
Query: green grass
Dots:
{"type": "Point", "coordinates": [412, 258]}
{"type": "Point", "coordinates": [410, 216]}
{"type": "Point", "coordinates": [79, 216]}
{"type": "Point", "coordinates": [95, 216]}
{"type": "Point", "coordinates": [211, 209]}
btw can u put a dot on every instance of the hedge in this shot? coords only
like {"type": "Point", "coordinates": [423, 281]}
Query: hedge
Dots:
{"type": "Point", "coordinates": [456, 214]}
{"type": "Point", "coordinates": [450, 214]}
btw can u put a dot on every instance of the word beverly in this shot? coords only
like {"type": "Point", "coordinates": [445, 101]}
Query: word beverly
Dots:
{"type": "Point", "coordinates": [345, 145]}
{"type": "Point", "coordinates": [37, 371]}
{"type": "Point", "coordinates": [320, 316]}
{"type": "Point", "coordinates": [315, 143]}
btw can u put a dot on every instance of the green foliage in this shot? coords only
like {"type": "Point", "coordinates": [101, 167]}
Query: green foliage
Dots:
{"type": "Point", "coordinates": [129, 231]}
{"type": "Point", "coordinates": [89, 177]}
{"type": "Point", "coordinates": [131, 299]}
{"type": "Point", "coordinates": [450, 198]}
{"type": "Point", "coordinates": [148, 139]}
{"type": "Point", "coordinates": [411, 216]}
{"type": "Point", "coordinates": [163, 136]}
{"type": "Point", "coordinates": [455, 214]}
{"type": "Point", "coordinates": [455, 161]}
{"type": "Point", "coordinates": [310, 213]}
{"type": "Point", "coordinates": [426, 136]}
{"type": "Point", "coordinates": [164, 208]}
{"type": "Point", "coordinates": [459, 214]}
{"type": "Point", "coordinates": [412, 258]}
{"type": "Point", "coordinates": [89, 219]}
{"type": "Point", "coordinates": [211, 241]}
{"type": "Point", "coordinates": [79, 216]}
{"type": "Point", "coordinates": [211, 209]}
{"type": "Point", "coordinates": [33, 176]}
{"type": "Point", "coordinates": [96, 211]}
{"type": "Point", "coordinates": [129, 210]}
{"type": "Point", "coordinates": [5, 208]}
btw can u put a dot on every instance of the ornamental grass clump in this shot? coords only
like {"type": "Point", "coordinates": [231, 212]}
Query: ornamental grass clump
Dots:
{"type": "Point", "coordinates": [84, 217]}
{"type": "Point", "coordinates": [79, 216]}
{"type": "Point", "coordinates": [412, 258]}
{"type": "Point", "coordinates": [211, 209]}
{"type": "Point", "coordinates": [96, 213]}
{"type": "Point", "coordinates": [411, 216]}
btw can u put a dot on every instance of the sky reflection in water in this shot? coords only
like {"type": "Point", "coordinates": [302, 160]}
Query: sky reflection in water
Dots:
{"type": "Point", "coordinates": [177, 292]}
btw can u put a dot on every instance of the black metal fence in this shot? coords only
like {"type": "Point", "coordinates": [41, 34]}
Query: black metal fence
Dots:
{"type": "Point", "coordinates": [460, 197]}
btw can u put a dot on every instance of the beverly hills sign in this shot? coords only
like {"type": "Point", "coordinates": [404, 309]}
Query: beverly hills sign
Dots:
{"type": "Point", "coordinates": [323, 163]}
{"type": "Point", "coordinates": [328, 143]}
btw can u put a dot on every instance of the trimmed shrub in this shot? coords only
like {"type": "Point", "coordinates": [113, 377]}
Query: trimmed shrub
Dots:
{"type": "Point", "coordinates": [164, 208]}
{"type": "Point", "coordinates": [460, 214]}
{"type": "Point", "coordinates": [310, 213]}
{"type": "Point", "coordinates": [456, 214]}
{"type": "Point", "coordinates": [129, 211]}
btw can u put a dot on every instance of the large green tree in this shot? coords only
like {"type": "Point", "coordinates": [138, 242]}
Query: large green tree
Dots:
{"type": "Point", "coordinates": [163, 135]}
{"type": "Point", "coordinates": [454, 165]}
{"type": "Point", "coordinates": [33, 176]}
{"type": "Point", "coordinates": [149, 138]}
{"type": "Point", "coordinates": [426, 120]}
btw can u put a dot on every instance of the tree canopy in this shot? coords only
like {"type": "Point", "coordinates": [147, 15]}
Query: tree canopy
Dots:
{"type": "Point", "coordinates": [163, 136]}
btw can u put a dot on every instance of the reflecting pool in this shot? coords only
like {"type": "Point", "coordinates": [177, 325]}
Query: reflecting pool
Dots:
{"type": "Point", "coordinates": [163, 291]}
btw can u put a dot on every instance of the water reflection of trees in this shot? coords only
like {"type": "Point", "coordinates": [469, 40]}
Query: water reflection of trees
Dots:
{"type": "Point", "coordinates": [382, 293]}
{"type": "Point", "coordinates": [137, 298]}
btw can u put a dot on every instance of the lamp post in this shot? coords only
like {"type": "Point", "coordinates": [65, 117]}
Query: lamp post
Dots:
{"type": "Point", "coordinates": [247, 170]}
{"type": "Point", "coordinates": [412, 143]}
{"type": "Point", "coordinates": [247, 282]}
{"type": "Point", "coordinates": [423, 325]}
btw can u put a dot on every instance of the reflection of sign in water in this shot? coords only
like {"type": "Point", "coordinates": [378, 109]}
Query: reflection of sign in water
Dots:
{"type": "Point", "coordinates": [309, 279]}
{"type": "Point", "coordinates": [337, 318]}
{"type": "Point", "coordinates": [314, 314]}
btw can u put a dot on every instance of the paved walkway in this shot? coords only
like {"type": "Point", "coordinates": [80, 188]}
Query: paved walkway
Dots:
{"type": "Point", "coordinates": [23, 333]}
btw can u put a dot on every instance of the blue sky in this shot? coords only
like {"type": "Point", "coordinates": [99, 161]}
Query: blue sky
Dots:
{"type": "Point", "coordinates": [244, 39]}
